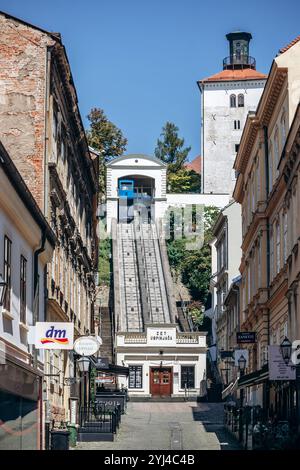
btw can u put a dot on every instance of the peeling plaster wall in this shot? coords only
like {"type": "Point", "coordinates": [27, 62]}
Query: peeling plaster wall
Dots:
{"type": "Point", "coordinates": [23, 53]}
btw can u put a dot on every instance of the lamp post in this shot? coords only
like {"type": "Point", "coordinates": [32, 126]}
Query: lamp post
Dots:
{"type": "Point", "coordinates": [84, 366]}
{"type": "Point", "coordinates": [286, 352]}
{"type": "Point", "coordinates": [3, 286]}
{"type": "Point", "coordinates": [242, 366]}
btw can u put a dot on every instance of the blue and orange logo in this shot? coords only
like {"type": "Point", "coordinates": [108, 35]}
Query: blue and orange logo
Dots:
{"type": "Point", "coordinates": [55, 336]}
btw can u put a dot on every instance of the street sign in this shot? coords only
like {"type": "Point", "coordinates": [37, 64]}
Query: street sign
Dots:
{"type": "Point", "coordinates": [53, 335]}
{"type": "Point", "coordinates": [278, 369]}
{"type": "Point", "coordinates": [87, 345]}
{"type": "Point", "coordinates": [246, 337]}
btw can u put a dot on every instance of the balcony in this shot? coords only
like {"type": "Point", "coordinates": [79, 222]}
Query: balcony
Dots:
{"type": "Point", "coordinates": [239, 62]}
{"type": "Point", "coordinates": [181, 338]}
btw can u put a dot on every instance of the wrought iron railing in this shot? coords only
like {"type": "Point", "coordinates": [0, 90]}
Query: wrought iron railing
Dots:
{"type": "Point", "coordinates": [102, 418]}
{"type": "Point", "coordinates": [239, 61]}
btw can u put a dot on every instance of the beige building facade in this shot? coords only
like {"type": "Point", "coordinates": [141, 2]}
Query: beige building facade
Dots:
{"type": "Point", "coordinates": [269, 226]}
{"type": "Point", "coordinates": [42, 129]}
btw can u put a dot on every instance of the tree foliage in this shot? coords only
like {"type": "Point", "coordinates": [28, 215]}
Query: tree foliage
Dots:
{"type": "Point", "coordinates": [194, 266]}
{"type": "Point", "coordinates": [171, 150]}
{"type": "Point", "coordinates": [106, 138]}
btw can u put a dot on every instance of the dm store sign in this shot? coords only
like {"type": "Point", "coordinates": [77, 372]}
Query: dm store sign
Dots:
{"type": "Point", "coordinates": [54, 335]}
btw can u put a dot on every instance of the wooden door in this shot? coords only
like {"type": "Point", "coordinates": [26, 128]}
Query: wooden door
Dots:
{"type": "Point", "coordinates": [161, 381]}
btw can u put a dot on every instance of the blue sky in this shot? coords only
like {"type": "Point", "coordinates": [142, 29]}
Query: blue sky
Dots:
{"type": "Point", "coordinates": [139, 60]}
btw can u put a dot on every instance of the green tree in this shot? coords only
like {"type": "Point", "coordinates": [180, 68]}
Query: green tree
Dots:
{"type": "Point", "coordinates": [171, 148]}
{"type": "Point", "coordinates": [184, 181]}
{"type": "Point", "coordinates": [106, 138]}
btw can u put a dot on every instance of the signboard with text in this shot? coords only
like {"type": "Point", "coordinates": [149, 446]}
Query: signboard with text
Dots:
{"type": "Point", "coordinates": [246, 337]}
{"type": "Point", "coordinates": [53, 335]}
{"type": "Point", "coordinates": [161, 336]}
{"type": "Point", "coordinates": [278, 369]}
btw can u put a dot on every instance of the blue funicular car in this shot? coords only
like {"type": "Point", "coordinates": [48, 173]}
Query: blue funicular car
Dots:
{"type": "Point", "coordinates": [126, 188]}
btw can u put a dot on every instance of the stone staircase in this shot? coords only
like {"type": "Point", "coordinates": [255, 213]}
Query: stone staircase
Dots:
{"type": "Point", "coordinates": [106, 334]}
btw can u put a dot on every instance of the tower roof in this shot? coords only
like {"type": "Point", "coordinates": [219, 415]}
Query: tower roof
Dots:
{"type": "Point", "coordinates": [235, 75]}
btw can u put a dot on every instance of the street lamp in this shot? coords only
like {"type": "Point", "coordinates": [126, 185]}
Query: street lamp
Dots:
{"type": "Point", "coordinates": [286, 350]}
{"type": "Point", "coordinates": [84, 366]}
{"type": "Point", "coordinates": [3, 286]}
{"type": "Point", "coordinates": [242, 366]}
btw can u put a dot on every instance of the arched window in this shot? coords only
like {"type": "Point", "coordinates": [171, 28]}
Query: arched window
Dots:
{"type": "Point", "coordinates": [241, 101]}
{"type": "Point", "coordinates": [283, 129]}
{"type": "Point", "coordinates": [232, 101]}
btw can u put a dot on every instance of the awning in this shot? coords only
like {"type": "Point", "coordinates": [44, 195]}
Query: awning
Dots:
{"type": "Point", "coordinates": [254, 378]}
{"type": "Point", "coordinates": [230, 389]}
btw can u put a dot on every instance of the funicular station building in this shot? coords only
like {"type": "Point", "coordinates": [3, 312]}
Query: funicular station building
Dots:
{"type": "Point", "coordinates": [165, 357]}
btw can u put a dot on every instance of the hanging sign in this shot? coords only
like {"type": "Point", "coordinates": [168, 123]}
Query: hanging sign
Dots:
{"type": "Point", "coordinates": [87, 345]}
{"type": "Point", "coordinates": [246, 337]}
{"type": "Point", "coordinates": [278, 369]}
{"type": "Point", "coordinates": [52, 335]}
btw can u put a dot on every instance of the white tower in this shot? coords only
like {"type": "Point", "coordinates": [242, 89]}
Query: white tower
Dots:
{"type": "Point", "coordinates": [227, 97]}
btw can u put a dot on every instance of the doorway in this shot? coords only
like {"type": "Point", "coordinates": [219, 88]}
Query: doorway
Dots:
{"type": "Point", "coordinates": [161, 381]}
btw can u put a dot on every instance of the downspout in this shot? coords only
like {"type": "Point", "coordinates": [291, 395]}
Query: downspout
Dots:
{"type": "Point", "coordinates": [35, 319]}
{"type": "Point", "coordinates": [266, 147]}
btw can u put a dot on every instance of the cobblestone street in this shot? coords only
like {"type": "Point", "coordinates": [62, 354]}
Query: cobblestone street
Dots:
{"type": "Point", "coordinates": [169, 426]}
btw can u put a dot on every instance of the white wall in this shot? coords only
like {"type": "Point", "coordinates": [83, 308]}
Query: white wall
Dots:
{"type": "Point", "coordinates": [218, 134]}
{"type": "Point", "coordinates": [10, 328]}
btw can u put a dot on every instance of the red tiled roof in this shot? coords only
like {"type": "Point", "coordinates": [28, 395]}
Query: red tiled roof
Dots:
{"type": "Point", "coordinates": [294, 41]}
{"type": "Point", "coordinates": [238, 74]}
{"type": "Point", "coordinates": [195, 164]}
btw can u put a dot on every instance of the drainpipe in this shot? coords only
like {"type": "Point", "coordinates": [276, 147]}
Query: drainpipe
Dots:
{"type": "Point", "coordinates": [266, 147]}
{"type": "Point", "coordinates": [35, 319]}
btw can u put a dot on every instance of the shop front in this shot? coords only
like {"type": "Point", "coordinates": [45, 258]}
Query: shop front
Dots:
{"type": "Point", "coordinates": [163, 362]}
{"type": "Point", "coordinates": [20, 407]}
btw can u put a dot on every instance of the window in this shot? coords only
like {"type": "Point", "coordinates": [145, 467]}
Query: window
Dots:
{"type": "Point", "coordinates": [259, 263]}
{"type": "Point", "coordinates": [241, 101]}
{"type": "Point", "coordinates": [23, 264]}
{"type": "Point", "coordinates": [276, 149]}
{"type": "Point", "coordinates": [270, 167]}
{"type": "Point", "coordinates": [283, 129]}
{"type": "Point", "coordinates": [237, 125]}
{"type": "Point", "coordinates": [237, 146]}
{"type": "Point", "coordinates": [285, 236]}
{"type": "Point", "coordinates": [135, 377]}
{"type": "Point", "coordinates": [277, 247]}
{"type": "Point", "coordinates": [271, 255]}
{"type": "Point", "coordinates": [187, 377]}
{"type": "Point", "coordinates": [7, 272]}
{"type": "Point", "coordinates": [232, 101]}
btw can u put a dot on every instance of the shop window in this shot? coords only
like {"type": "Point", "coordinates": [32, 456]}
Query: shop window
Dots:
{"type": "Point", "coordinates": [135, 377]}
{"type": "Point", "coordinates": [187, 377]}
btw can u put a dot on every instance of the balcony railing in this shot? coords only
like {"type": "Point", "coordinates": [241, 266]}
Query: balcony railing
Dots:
{"type": "Point", "coordinates": [181, 338]}
{"type": "Point", "coordinates": [239, 62]}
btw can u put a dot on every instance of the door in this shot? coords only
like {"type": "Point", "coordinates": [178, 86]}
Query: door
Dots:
{"type": "Point", "coordinates": [161, 381]}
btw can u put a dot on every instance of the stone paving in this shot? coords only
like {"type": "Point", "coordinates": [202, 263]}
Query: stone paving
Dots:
{"type": "Point", "coordinates": [169, 426]}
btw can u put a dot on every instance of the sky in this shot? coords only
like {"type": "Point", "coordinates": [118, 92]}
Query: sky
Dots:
{"type": "Point", "coordinates": [140, 60]}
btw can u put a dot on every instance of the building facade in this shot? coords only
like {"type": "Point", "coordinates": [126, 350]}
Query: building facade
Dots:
{"type": "Point", "coordinates": [43, 132]}
{"type": "Point", "coordinates": [224, 312]}
{"type": "Point", "coordinates": [267, 189]}
{"type": "Point", "coordinates": [26, 246]}
{"type": "Point", "coordinates": [226, 99]}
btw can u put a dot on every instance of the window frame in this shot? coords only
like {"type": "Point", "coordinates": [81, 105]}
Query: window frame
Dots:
{"type": "Point", "coordinates": [241, 100]}
{"type": "Point", "coordinates": [7, 274]}
{"type": "Point", "coordinates": [182, 376]}
{"type": "Point", "coordinates": [23, 288]}
{"type": "Point", "coordinates": [232, 100]}
{"type": "Point", "coordinates": [135, 368]}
